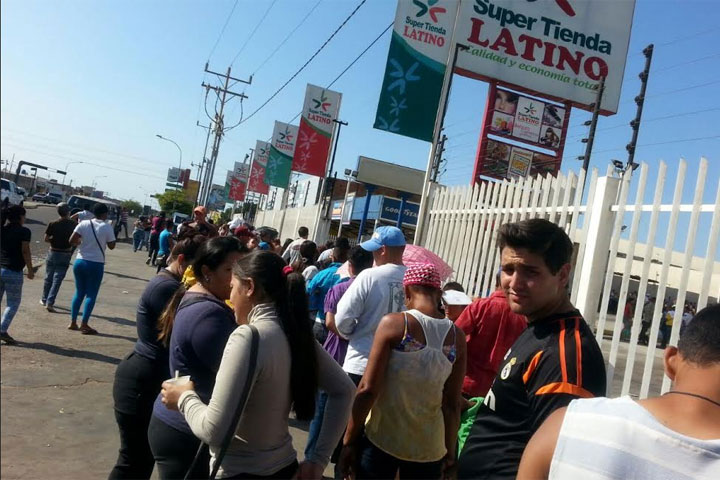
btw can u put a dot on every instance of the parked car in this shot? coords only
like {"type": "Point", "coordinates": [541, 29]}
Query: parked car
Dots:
{"type": "Point", "coordinates": [22, 192]}
{"type": "Point", "coordinates": [52, 198]}
{"type": "Point", "coordinates": [9, 193]}
{"type": "Point", "coordinates": [38, 197]}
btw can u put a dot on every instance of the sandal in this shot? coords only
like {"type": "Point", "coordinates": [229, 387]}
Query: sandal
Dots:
{"type": "Point", "coordinates": [73, 326]}
{"type": "Point", "coordinates": [88, 330]}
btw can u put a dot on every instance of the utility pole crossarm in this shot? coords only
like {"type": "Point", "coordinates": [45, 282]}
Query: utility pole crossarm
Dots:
{"type": "Point", "coordinates": [223, 90]}
{"type": "Point", "coordinates": [249, 81]}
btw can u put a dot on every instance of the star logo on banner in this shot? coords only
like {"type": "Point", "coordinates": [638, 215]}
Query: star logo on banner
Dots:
{"type": "Point", "coordinates": [423, 9]}
{"type": "Point", "coordinates": [397, 106]}
{"type": "Point", "coordinates": [390, 127]}
{"type": "Point", "coordinates": [286, 136]}
{"type": "Point", "coordinates": [322, 103]}
{"type": "Point", "coordinates": [306, 141]}
{"type": "Point", "coordinates": [564, 6]}
{"type": "Point", "coordinates": [403, 77]}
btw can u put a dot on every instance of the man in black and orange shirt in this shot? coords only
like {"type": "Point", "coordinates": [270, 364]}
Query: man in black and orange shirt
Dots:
{"type": "Point", "coordinates": [553, 362]}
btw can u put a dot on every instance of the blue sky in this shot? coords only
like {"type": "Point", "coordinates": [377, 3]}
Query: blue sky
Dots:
{"type": "Point", "coordinates": [95, 80]}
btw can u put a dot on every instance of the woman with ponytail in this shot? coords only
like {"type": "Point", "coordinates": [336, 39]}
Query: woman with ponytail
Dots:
{"type": "Point", "coordinates": [139, 375]}
{"type": "Point", "coordinates": [291, 367]}
{"type": "Point", "coordinates": [195, 326]}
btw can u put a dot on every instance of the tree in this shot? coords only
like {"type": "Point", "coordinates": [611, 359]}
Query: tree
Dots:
{"type": "Point", "coordinates": [226, 216]}
{"type": "Point", "coordinates": [132, 206]}
{"type": "Point", "coordinates": [174, 201]}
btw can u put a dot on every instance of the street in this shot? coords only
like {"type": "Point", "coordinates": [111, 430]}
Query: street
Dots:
{"type": "Point", "coordinates": [56, 388]}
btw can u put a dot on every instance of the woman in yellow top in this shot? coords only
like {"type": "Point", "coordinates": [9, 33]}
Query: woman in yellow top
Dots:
{"type": "Point", "coordinates": [410, 389]}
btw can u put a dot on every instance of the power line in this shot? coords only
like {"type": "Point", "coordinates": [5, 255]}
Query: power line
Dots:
{"type": "Point", "coordinates": [267, 59]}
{"type": "Point", "coordinates": [222, 31]}
{"type": "Point", "coordinates": [253, 32]}
{"type": "Point", "coordinates": [670, 67]}
{"type": "Point", "coordinates": [307, 62]}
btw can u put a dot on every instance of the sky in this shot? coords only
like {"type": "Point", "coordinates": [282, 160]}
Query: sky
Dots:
{"type": "Point", "coordinates": [95, 80]}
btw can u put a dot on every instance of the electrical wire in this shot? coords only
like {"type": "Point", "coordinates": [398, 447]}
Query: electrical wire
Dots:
{"type": "Point", "coordinates": [307, 62]}
{"type": "Point", "coordinates": [253, 32]}
{"type": "Point", "coordinates": [689, 62]}
{"type": "Point", "coordinates": [222, 31]}
{"type": "Point", "coordinates": [272, 54]}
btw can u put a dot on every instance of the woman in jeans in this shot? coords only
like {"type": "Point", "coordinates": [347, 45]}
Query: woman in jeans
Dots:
{"type": "Point", "coordinates": [14, 256]}
{"type": "Point", "coordinates": [138, 234]}
{"type": "Point", "coordinates": [139, 375]}
{"type": "Point", "coordinates": [57, 235]}
{"type": "Point", "coordinates": [92, 236]}
{"type": "Point", "coordinates": [411, 389]}
{"type": "Point", "coordinates": [197, 326]}
{"type": "Point", "coordinates": [291, 366]}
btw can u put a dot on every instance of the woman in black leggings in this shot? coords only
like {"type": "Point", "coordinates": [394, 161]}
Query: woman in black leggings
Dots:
{"type": "Point", "coordinates": [142, 371]}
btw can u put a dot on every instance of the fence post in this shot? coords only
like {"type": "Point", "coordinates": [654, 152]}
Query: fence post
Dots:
{"type": "Point", "coordinates": [595, 260]}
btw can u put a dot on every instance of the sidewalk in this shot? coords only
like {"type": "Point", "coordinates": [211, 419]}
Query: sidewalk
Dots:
{"type": "Point", "coordinates": [57, 415]}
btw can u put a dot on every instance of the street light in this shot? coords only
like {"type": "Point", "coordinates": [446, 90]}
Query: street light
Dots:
{"type": "Point", "coordinates": [66, 169]}
{"type": "Point", "coordinates": [176, 145]}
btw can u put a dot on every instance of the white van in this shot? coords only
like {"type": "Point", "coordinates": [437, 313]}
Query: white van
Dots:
{"type": "Point", "coordinates": [9, 193]}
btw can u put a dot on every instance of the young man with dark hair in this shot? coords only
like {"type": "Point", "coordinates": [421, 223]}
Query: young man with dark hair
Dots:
{"type": "Point", "coordinates": [671, 436]}
{"type": "Point", "coordinates": [57, 234]}
{"type": "Point", "coordinates": [292, 251]}
{"type": "Point", "coordinates": [555, 360]}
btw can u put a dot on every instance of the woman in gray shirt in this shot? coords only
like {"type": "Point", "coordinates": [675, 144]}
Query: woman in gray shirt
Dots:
{"type": "Point", "coordinates": [291, 366]}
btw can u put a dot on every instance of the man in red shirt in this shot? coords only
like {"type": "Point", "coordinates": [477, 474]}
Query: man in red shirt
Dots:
{"type": "Point", "coordinates": [491, 329]}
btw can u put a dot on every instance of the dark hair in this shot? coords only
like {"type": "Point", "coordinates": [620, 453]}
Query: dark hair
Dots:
{"type": "Point", "coordinates": [169, 225]}
{"type": "Point", "coordinates": [287, 242]}
{"type": "Point", "coordinates": [188, 247]}
{"type": "Point", "coordinates": [342, 242]}
{"type": "Point", "coordinates": [360, 259]}
{"type": "Point", "coordinates": [63, 209]}
{"type": "Point", "coordinates": [303, 232]}
{"type": "Point", "coordinates": [211, 253]}
{"type": "Point", "coordinates": [161, 215]}
{"type": "Point", "coordinates": [12, 214]}
{"type": "Point", "coordinates": [540, 237]}
{"type": "Point", "coordinates": [308, 256]}
{"type": "Point", "coordinates": [100, 209]}
{"type": "Point", "coordinates": [329, 244]}
{"type": "Point", "coordinates": [291, 303]}
{"type": "Point", "coordinates": [700, 342]}
{"type": "Point", "coordinates": [453, 286]}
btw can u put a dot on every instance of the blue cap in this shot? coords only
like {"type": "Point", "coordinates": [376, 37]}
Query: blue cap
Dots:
{"type": "Point", "coordinates": [384, 237]}
{"type": "Point", "coordinates": [264, 246]}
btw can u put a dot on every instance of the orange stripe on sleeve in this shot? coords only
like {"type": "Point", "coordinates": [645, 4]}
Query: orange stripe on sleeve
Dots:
{"type": "Point", "coordinates": [578, 352]}
{"type": "Point", "coordinates": [563, 367]}
{"type": "Point", "coordinates": [531, 367]}
{"type": "Point", "coordinates": [564, 387]}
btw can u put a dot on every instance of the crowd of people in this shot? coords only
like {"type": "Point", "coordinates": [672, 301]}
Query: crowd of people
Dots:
{"type": "Point", "coordinates": [398, 374]}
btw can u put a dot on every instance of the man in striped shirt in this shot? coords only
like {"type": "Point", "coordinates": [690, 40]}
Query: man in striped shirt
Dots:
{"type": "Point", "coordinates": [675, 436]}
{"type": "Point", "coordinates": [555, 360]}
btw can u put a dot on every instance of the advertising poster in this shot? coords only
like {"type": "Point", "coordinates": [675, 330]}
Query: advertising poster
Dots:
{"type": "Point", "coordinates": [558, 49]}
{"type": "Point", "coordinates": [348, 209]}
{"type": "Point", "coordinates": [256, 182]}
{"type": "Point", "coordinates": [315, 132]}
{"type": "Point", "coordinates": [216, 198]}
{"type": "Point", "coordinates": [415, 67]}
{"type": "Point", "coordinates": [519, 162]}
{"type": "Point", "coordinates": [282, 149]}
{"type": "Point", "coordinates": [502, 160]}
{"type": "Point", "coordinates": [391, 209]}
{"type": "Point", "coordinates": [191, 190]}
{"type": "Point", "coordinates": [528, 119]}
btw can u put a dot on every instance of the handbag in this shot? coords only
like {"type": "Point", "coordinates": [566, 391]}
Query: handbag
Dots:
{"type": "Point", "coordinates": [238, 412]}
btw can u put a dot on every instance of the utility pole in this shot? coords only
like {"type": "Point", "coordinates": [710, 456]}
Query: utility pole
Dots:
{"type": "Point", "coordinates": [639, 100]}
{"type": "Point", "coordinates": [438, 156]}
{"type": "Point", "coordinates": [219, 122]}
{"type": "Point", "coordinates": [591, 136]}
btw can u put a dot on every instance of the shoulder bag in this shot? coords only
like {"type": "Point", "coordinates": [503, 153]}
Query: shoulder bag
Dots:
{"type": "Point", "coordinates": [238, 412]}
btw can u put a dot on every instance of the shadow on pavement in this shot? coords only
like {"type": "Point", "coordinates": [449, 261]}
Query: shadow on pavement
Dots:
{"type": "Point", "coordinates": [120, 337]}
{"type": "Point", "coordinates": [118, 320]}
{"type": "Point", "coordinates": [121, 275]}
{"type": "Point", "coordinates": [69, 352]}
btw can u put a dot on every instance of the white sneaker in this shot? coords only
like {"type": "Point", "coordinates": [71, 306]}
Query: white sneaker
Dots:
{"type": "Point", "coordinates": [42, 303]}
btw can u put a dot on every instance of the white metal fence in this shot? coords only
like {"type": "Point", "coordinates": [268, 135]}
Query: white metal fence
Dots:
{"type": "Point", "coordinates": [294, 219]}
{"type": "Point", "coordinates": [462, 227]}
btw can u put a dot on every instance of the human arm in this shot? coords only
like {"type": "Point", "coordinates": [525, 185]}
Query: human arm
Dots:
{"type": "Point", "coordinates": [28, 258]}
{"type": "Point", "coordinates": [389, 333]}
{"type": "Point", "coordinates": [340, 391]}
{"type": "Point", "coordinates": [48, 233]}
{"type": "Point", "coordinates": [452, 404]}
{"type": "Point", "coordinates": [109, 236]}
{"type": "Point", "coordinates": [351, 306]}
{"type": "Point", "coordinates": [330, 322]}
{"type": "Point", "coordinates": [537, 457]}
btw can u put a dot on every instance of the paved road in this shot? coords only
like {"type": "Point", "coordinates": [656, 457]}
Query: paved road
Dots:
{"type": "Point", "coordinates": [57, 416]}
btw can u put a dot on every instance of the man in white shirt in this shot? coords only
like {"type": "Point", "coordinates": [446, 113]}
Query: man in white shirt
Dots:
{"type": "Point", "coordinates": [374, 293]}
{"type": "Point", "coordinates": [292, 252]}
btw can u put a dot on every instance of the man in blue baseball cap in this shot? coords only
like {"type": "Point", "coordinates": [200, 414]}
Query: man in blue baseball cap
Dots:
{"type": "Point", "coordinates": [374, 293]}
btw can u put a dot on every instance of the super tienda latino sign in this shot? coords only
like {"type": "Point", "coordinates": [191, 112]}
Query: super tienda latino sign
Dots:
{"type": "Point", "coordinates": [315, 133]}
{"type": "Point", "coordinates": [560, 48]}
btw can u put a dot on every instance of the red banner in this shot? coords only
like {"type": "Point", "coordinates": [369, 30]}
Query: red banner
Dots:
{"type": "Point", "coordinates": [256, 183]}
{"type": "Point", "coordinates": [237, 190]}
{"type": "Point", "coordinates": [311, 151]}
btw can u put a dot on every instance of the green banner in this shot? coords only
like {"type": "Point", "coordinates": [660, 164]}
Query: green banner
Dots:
{"type": "Point", "coordinates": [415, 67]}
{"type": "Point", "coordinates": [277, 172]}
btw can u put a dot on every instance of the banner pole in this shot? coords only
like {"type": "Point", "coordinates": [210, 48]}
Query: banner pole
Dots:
{"type": "Point", "coordinates": [439, 121]}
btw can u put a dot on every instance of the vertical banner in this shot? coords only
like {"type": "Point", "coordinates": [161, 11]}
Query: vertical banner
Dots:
{"type": "Point", "coordinates": [282, 148]}
{"type": "Point", "coordinates": [415, 67]}
{"type": "Point", "coordinates": [316, 128]}
{"type": "Point", "coordinates": [256, 182]}
{"type": "Point", "coordinates": [237, 182]}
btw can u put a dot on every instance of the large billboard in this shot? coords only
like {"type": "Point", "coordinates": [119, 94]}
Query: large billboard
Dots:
{"type": "Point", "coordinates": [316, 128]}
{"type": "Point", "coordinates": [282, 148]}
{"type": "Point", "coordinates": [415, 67]}
{"type": "Point", "coordinates": [559, 48]}
{"type": "Point", "coordinates": [256, 182]}
{"type": "Point", "coordinates": [502, 160]}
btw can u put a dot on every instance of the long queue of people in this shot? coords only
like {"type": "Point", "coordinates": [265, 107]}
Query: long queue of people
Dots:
{"type": "Point", "coordinates": [399, 375]}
